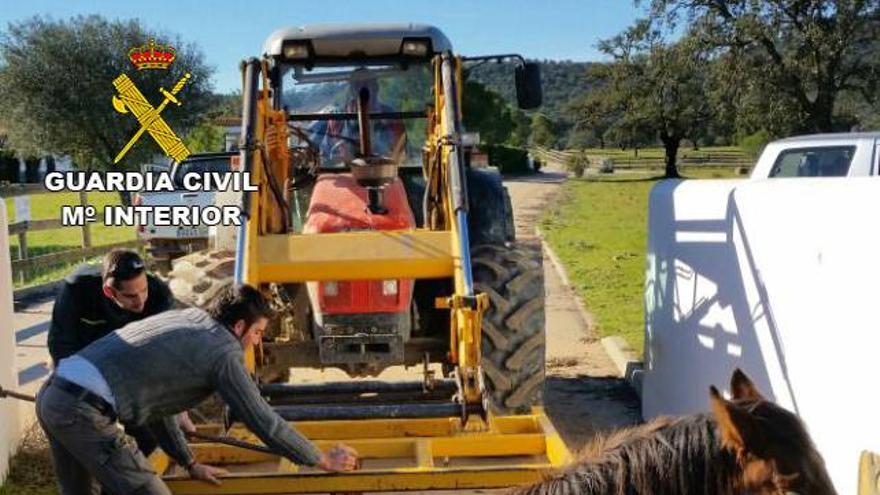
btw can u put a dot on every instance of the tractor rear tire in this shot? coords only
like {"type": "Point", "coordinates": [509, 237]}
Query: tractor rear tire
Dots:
{"type": "Point", "coordinates": [513, 335]}
{"type": "Point", "coordinates": [196, 279]}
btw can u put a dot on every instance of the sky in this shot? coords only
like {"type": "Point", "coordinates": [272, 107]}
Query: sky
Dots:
{"type": "Point", "coordinates": [230, 30]}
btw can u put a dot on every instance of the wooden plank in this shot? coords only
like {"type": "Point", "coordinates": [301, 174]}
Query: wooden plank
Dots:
{"type": "Point", "coordinates": [33, 225]}
{"type": "Point", "coordinates": [12, 190]}
{"type": "Point", "coordinates": [38, 225]}
{"type": "Point", "coordinates": [70, 255]}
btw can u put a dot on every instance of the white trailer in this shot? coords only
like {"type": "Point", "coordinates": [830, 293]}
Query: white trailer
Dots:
{"type": "Point", "coordinates": [778, 275]}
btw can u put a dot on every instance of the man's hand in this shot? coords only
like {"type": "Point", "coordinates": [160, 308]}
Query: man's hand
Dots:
{"type": "Point", "coordinates": [339, 458]}
{"type": "Point", "coordinates": [206, 473]}
{"type": "Point", "coordinates": [185, 423]}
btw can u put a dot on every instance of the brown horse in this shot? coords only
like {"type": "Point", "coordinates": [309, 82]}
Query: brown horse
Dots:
{"type": "Point", "coordinates": [746, 446]}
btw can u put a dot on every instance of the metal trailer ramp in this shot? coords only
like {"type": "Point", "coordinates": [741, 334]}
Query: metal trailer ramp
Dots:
{"type": "Point", "coordinates": [397, 455]}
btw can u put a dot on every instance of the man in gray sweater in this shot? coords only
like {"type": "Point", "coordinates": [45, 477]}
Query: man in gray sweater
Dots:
{"type": "Point", "coordinates": [144, 374]}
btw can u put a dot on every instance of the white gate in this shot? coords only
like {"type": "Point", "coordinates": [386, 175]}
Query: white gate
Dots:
{"type": "Point", "coordinates": [10, 428]}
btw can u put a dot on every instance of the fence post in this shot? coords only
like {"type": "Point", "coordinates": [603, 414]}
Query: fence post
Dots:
{"type": "Point", "coordinates": [86, 228]}
{"type": "Point", "coordinates": [23, 255]}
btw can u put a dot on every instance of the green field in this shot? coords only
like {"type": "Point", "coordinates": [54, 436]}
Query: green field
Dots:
{"type": "Point", "coordinates": [48, 206]}
{"type": "Point", "coordinates": [598, 228]}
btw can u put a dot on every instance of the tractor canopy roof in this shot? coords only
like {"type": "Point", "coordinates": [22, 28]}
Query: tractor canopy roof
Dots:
{"type": "Point", "coordinates": [356, 41]}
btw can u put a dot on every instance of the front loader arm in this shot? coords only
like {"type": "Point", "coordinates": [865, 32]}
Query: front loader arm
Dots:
{"type": "Point", "coordinates": [446, 178]}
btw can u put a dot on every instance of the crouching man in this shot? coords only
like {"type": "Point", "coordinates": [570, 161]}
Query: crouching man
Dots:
{"type": "Point", "coordinates": [148, 371]}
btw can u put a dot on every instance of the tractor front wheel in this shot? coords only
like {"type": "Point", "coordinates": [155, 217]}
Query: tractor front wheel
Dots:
{"type": "Point", "coordinates": [513, 327]}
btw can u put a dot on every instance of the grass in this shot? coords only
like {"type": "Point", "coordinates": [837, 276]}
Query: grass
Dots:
{"type": "Point", "coordinates": [48, 206]}
{"type": "Point", "coordinates": [598, 228]}
{"type": "Point", "coordinates": [30, 470]}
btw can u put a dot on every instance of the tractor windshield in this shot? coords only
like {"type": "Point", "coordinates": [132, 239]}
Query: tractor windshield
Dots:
{"type": "Point", "coordinates": [322, 102]}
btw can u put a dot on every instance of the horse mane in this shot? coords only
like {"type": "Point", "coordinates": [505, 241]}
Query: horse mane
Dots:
{"type": "Point", "coordinates": [675, 456]}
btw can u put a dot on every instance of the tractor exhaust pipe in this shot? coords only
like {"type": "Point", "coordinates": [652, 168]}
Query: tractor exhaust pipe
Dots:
{"type": "Point", "coordinates": [364, 122]}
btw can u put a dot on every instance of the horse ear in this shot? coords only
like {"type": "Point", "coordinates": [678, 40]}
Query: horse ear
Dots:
{"type": "Point", "coordinates": [741, 387]}
{"type": "Point", "coordinates": [738, 430]}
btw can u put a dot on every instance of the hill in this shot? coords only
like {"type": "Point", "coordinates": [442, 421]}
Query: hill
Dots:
{"type": "Point", "coordinates": [563, 81]}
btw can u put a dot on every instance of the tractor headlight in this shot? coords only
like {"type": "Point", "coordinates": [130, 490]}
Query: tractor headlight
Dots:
{"type": "Point", "coordinates": [331, 289]}
{"type": "Point", "coordinates": [297, 50]}
{"type": "Point", "coordinates": [389, 287]}
{"type": "Point", "coordinates": [415, 48]}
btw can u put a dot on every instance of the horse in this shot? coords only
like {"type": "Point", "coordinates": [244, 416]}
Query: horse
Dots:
{"type": "Point", "coordinates": [746, 445]}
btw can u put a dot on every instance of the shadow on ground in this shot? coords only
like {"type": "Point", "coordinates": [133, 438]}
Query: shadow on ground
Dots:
{"type": "Point", "coordinates": [547, 177]}
{"type": "Point", "coordinates": [582, 406]}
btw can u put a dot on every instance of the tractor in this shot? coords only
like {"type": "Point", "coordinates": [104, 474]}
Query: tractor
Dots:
{"type": "Point", "coordinates": [380, 246]}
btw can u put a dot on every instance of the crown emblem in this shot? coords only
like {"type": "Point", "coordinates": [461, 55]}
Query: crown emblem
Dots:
{"type": "Point", "coordinates": [152, 56]}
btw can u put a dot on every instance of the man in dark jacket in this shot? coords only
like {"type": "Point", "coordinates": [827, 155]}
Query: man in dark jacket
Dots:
{"type": "Point", "coordinates": [151, 370]}
{"type": "Point", "coordinates": [94, 301]}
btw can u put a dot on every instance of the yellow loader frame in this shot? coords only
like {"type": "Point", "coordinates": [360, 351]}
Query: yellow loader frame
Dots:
{"type": "Point", "coordinates": [473, 451]}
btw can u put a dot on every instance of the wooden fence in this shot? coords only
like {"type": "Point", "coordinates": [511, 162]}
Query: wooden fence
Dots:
{"type": "Point", "coordinates": [719, 159]}
{"type": "Point", "coordinates": [25, 265]}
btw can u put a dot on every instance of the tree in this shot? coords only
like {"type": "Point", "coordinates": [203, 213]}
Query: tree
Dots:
{"type": "Point", "coordinates": [522, 128]}
{"type": "Point", "coordinates": [224, 105]}
{"type": "Point", "coordinates": [543, 132]}
{"type": "Point", "coordinates": [652, 90]}
{"type": "Point", "coordinates": [56, 86]}
{"type": "Point", "coordinates": [205, 137]}
{"type": "Point", "coordinates": [486, 112]}
{"type": "Point", "coordinates": [803, 54]}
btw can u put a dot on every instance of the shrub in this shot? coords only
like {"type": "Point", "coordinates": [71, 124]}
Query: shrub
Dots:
{"type": "Point", "coordinates": [577, 164]}
{"type": "Point", "coordinates": [753, 144]}
{"type": "Point", "coordinates": [508, 159]}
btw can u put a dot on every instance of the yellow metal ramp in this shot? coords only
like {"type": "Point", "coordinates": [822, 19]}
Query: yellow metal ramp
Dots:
{"type": "Point", "coordinates": [397, 455]}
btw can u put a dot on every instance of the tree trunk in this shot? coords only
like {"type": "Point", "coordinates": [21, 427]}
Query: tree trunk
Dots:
{"type": "Point", "coordinates": [32, 170]}
{"type": "Point", "coordinates": [125, 198]}
{"type": "Point", "coordinates": [670, 145]}
{"type": "Point", "coordinates": [50, 164]}
{"type": "Point", "coordinates": [8, 167]}
{"type": "Point", "coordinates": [821, 113]}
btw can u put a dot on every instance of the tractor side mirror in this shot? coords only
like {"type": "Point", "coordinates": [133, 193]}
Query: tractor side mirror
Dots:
{"type": "Point", "coordinates": [528, 86]}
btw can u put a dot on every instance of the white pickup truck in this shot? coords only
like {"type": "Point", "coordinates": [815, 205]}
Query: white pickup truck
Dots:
{"type": "Point", "coordinates": [821, 155]}
{"type": "Point", "coordinates": [167, 243]}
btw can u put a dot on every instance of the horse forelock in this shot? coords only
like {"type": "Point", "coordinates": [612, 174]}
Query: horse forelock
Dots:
{"type": "Point", "coordinates": [679, 456]}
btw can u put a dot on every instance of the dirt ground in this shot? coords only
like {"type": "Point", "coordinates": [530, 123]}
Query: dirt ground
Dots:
{"type": "Point", "coordinates": [583, 393]}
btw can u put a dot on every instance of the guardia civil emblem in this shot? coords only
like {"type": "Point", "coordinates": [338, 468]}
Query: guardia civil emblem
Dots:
{"type": "Point", "coordinates": [129, 99]}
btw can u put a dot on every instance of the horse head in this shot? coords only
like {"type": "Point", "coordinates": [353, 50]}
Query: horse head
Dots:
{"type": "Point", "coordinates": [771, 444]}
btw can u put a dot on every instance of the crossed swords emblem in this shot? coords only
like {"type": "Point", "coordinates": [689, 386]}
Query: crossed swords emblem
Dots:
{"type": "Point", "coordinates": [130, 99]}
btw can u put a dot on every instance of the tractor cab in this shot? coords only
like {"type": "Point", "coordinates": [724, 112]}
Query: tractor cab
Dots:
{"type": "Point", "coordinates": [357, 91]}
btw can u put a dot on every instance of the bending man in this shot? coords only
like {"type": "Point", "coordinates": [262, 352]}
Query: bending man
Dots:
{"type": "Point", "coordinates": [144, 374]}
